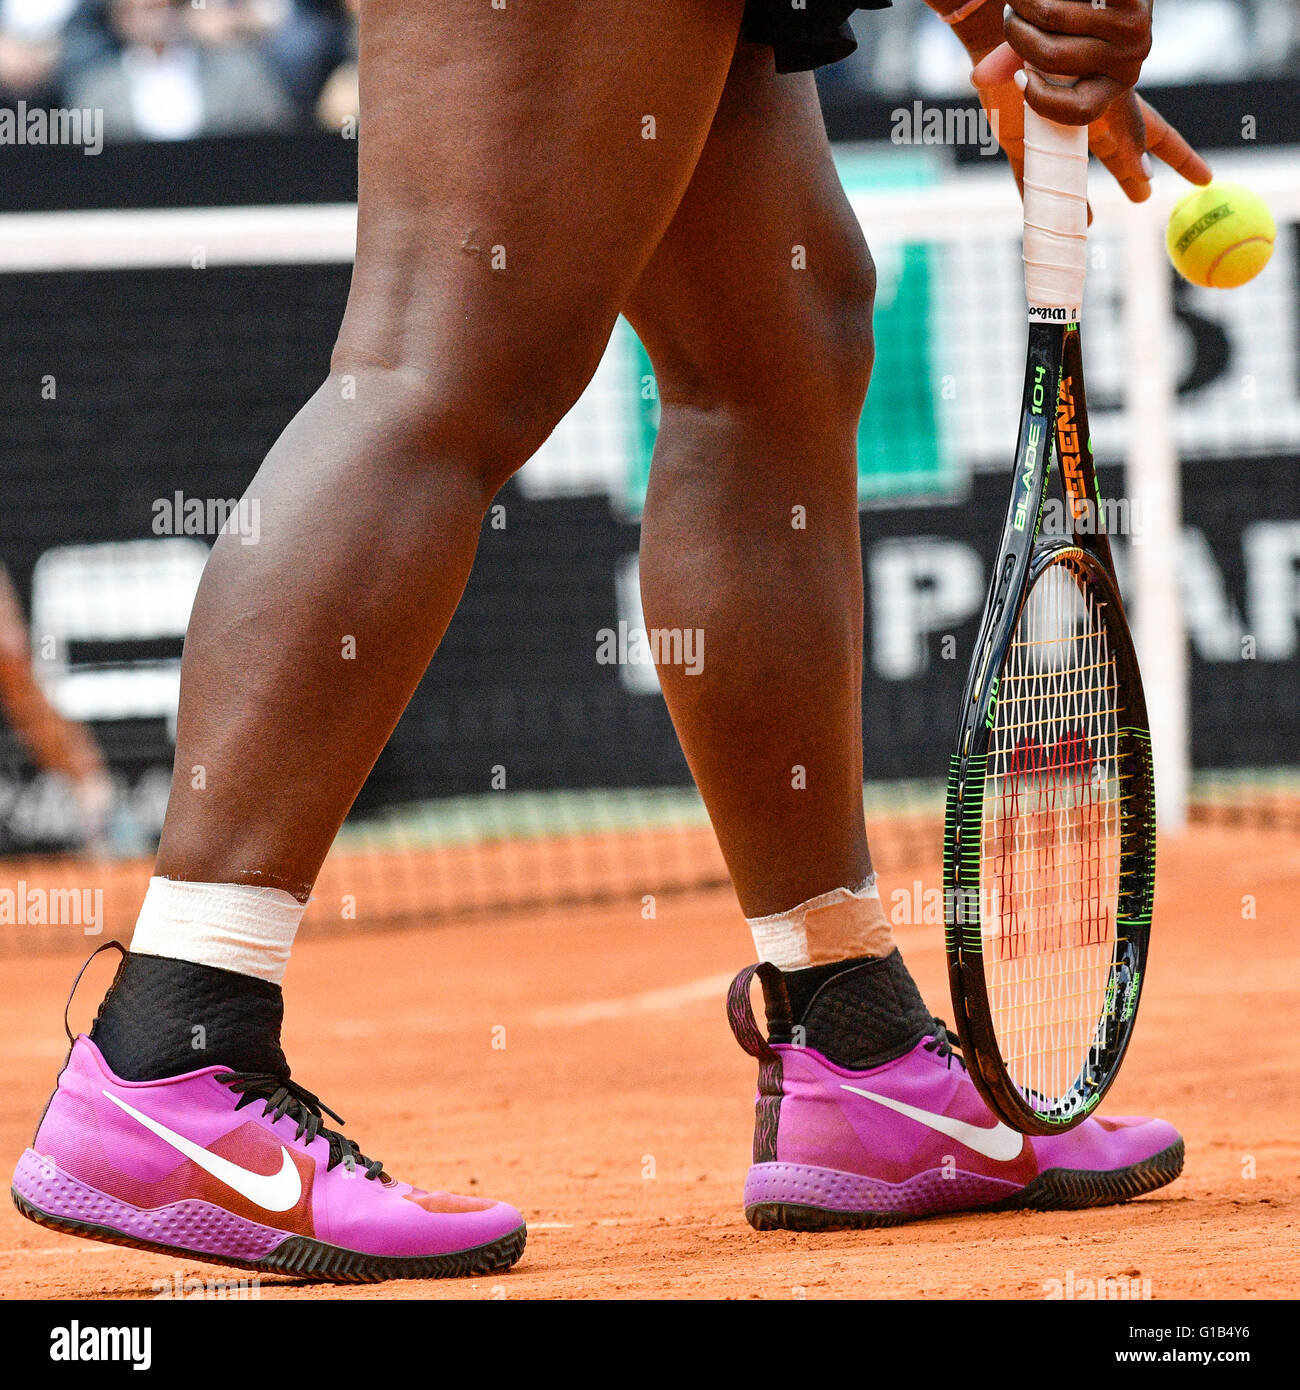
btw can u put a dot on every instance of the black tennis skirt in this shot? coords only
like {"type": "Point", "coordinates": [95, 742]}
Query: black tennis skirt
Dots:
{"type": "Point", "coordinates": [804, 37]}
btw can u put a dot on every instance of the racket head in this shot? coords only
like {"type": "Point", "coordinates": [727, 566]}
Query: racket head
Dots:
{"type": "Point", "coordinates": [1050, 850]}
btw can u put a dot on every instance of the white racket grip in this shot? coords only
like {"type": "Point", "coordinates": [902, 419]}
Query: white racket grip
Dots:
{"type": "Point", "coordinates": [1056, 217]}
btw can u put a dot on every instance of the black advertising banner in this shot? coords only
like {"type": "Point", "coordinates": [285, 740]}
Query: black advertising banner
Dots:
{"type": "Point", "coordinates": [133, 428]}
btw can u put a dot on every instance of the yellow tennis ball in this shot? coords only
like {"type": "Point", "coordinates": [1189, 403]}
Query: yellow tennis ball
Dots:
{"type": "Point", "coordinates": [1220, 236]}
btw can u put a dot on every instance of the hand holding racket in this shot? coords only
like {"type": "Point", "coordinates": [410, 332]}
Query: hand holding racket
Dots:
{"type": "Point", "coordinates": [1102, 47]}
{"type": "Point", "coordinates": [1049, 841]}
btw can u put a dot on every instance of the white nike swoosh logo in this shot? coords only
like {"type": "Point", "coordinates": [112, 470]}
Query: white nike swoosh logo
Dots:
{"type": "Point", "coordinates": [1001, 1143]}
{"type": "Point", "coordinates": [270, 1191]}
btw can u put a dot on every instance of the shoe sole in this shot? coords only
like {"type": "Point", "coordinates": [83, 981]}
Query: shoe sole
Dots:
{"type": "Point", "coordinates": [301, 1255]}
{"type": "Point", "coordinates": [1057, 1189]}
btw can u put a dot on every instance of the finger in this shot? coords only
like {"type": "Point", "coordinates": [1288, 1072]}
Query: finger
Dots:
{"type": "Point", "coordinates": [993, 80]}
{"type": "Point", "coordinates": [1078, 105]}
{"type": "Point", "coordinates": [1130, 175]}
{"type": "Point", "coordinates": [1071, 17]}
{"type": "Point", "coordinates": [1059, 54]}
{"type": "Point", "coordinates": [995, 68]}
{"type": "Point", "coordinates": [1169, 146]}
{"type": "Point", "coordinates": [1120, 144]}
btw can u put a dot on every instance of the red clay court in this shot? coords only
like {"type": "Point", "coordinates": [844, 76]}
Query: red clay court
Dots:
{"type": "Point", "coordinates": [617, 1114]}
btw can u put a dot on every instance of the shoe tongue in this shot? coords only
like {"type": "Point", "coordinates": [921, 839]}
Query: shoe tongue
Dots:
{"type": "Point", "coordinates": [859, 1013]}
{"type": "Point", "coordinates": [776, 999]}
{"type": "Point", "coordinates": [165, 1017]}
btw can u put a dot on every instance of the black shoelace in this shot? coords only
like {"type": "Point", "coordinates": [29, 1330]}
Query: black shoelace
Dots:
{"type": "Point", "coordinates": [285, 1097]}
{"type": "Point", "coordinates": [945, 1044]}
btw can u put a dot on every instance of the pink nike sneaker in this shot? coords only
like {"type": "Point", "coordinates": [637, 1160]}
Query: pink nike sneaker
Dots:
{"type": "Point", "coordinates": [238, 1168]}
{"type": "Point", "coordinates": [835, 1148]}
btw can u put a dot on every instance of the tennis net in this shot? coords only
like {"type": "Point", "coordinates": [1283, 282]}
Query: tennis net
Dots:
{"type": "Point", "coordinates": [532, 769]}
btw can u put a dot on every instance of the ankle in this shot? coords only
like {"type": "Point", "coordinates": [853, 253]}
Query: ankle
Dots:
{"type": "Point", "coordinates": [858, 1013]}
{"type": "Point", "coordinates": [164, 1017]}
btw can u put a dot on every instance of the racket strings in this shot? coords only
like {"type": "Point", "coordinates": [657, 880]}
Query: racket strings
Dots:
{"type": "Point", "coordinates": [1051, 836]}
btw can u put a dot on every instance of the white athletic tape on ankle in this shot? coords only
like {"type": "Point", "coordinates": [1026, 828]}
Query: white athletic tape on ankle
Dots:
{"type": "Point", "coordinates": [838, 925]}
{"type": "Point", "coordinates": [232, 926]}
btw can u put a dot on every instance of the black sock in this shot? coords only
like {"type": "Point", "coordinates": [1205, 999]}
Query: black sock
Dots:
{"type": "Point", "coordinates": [858, 1013]}
{"type": "Point", "coordinates": [163, 1017]}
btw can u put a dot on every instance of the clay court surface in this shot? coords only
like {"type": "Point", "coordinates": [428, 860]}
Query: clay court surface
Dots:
{"type": "Point", "coordinates": [617, 1115]}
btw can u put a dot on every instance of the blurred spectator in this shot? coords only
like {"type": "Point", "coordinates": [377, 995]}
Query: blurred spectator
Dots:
{"type": "Point", "coordinates": [168, 69]}
{"type": "Point", "coordinates": [1277, 33]}
{"type": "Point", "coordinates": [87, 39]}
{"type": "Point", "coordinates": [315, 38]}
{"type": "Point", "coordinates": [1193, 39]}
{"type": "Point", "coordinates": [172, 71]}
{"type": "Point", "coordinates": [30, 47]}
{"type": "Point", "coordinates": [909, 50]}
{"type": "Point", "coordinates": [340, 98]}
{"type": "Point", "coordinates": [54, 743]}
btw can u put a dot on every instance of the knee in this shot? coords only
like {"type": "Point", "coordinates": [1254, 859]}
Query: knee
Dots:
{"type": "Point", "coordinates": [845, 313]}
{"type": "Point", "coordinates": [480, 423]}
{"type": "Point", "coordinates": [477, 390]}
{"type": "Point", "coordinates": [833, 346]}
{"type": "Point", "coordinates": [801, 352]}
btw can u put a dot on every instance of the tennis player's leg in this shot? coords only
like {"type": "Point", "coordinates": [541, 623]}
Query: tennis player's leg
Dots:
{"type": "Point", "coordinates": [517, 168]}
{"type": "Point", "coordinates": [756, 312]}
{"type": "Point", "coordinates": [502, 223]}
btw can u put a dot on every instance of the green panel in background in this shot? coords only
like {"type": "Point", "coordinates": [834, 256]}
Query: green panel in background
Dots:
{"type": "Point", "coordinates": [644, 422]}
{"type": "Point", "coordinates": [901, 452]}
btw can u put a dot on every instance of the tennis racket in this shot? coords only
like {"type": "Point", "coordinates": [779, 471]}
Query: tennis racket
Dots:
{"type": "Point", "coordinates": [1049, 837]}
